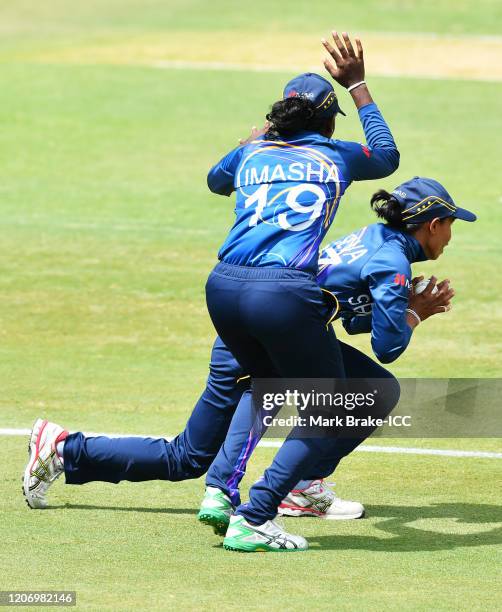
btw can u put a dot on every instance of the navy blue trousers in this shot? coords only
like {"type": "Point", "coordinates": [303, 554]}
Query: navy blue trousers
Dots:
{"type": "Point", "coordinates": [197, 448]}
{"type": "Point", "coordinates": [189, 455]}
{"type": "Point", "coordinates": [246, 430]}
{"type": "Point", "coordinates": [274, 322]}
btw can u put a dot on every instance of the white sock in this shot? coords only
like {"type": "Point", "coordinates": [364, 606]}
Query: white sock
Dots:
{"type": "Point", "coordinates": [59, 449]}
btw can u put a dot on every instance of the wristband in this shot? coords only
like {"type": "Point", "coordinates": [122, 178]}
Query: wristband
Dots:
{"type": "Point", "coordinates": [356, 85]}
{"type": "Point", "coordinates": [412, 312]}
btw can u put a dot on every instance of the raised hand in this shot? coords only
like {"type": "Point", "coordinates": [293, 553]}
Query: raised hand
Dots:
{"type": "Point", "coordinates": [349, 65]}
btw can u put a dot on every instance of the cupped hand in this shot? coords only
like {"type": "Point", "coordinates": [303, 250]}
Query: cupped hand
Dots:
{"type": "Point", "coordinates": [427, 303]}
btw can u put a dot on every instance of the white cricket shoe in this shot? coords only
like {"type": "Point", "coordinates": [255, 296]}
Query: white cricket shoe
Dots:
{"type": "Point", "coordinates": [320, 501]}
{"type": "Point", "coordinates": [270, 537]}
{"type": "Point", "coordinates": [44, 465]}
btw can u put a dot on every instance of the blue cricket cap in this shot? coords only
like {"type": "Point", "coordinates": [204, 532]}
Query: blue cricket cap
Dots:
{"type": "Point", "coordinates": [423, 199]}
{"type": "Point", "coordinates": [317, 89]}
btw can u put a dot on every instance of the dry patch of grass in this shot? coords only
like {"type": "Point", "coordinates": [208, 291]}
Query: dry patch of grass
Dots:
{"type": "Point", "coordinates": [418, 55]}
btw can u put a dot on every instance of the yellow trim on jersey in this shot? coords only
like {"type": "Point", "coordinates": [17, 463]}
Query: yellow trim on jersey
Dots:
{"type": "Point", "coordinates": [329, 209]}
{"type": "Point", "coordinates": [333, 316]}
{"type": "Point", "coordinates": [243, 378]}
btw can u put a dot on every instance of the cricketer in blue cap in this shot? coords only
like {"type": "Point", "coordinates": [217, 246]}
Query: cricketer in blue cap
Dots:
{"type": "Point", "coordinates": [424, 199]}
{"type": "Point", "coordinates": [422, 208]}
{"type": "Point", "coordinates": [318, 90]}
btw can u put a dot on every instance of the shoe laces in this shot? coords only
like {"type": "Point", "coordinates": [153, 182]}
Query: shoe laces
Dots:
{"type": "Point", "coordinates": [321, 487]}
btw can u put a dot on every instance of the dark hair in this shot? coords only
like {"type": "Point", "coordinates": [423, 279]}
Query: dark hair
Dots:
{"type": "Point", "coordinates": [388, 208]}
{"type": "Point", "coordinates": [291, 115]}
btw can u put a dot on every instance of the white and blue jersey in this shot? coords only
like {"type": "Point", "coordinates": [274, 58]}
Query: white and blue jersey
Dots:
{"type": "Point", "coordinates": [369, 271]}
{"type": "Point", "coordinates": [288, 191]}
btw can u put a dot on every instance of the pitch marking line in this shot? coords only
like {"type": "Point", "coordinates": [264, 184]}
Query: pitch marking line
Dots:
{"type": "Point", "coordinates": [402, 450]}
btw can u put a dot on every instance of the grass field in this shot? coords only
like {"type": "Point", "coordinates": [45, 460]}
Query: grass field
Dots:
{"type": "Point", "coordinates": [109, 233]}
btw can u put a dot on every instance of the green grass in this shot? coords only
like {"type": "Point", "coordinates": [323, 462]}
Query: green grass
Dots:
{"type": "Point", "coordinates": [27, 17]}
{"type": "Point", "coordinates": [430, 540]}
{"type": "Point", "coordinates": [109, 233]}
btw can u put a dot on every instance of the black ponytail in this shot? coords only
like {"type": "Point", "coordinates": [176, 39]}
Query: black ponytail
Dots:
{"type": "Point", "coordinates": [388, 208]}
{"type": "Point", "coordinates": [292, 115]}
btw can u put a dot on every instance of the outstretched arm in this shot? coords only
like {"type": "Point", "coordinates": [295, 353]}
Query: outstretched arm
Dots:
{"type": "Point", "coordinates": [380, 157]}
{"type": "Point", "coordinates": [349, 67]}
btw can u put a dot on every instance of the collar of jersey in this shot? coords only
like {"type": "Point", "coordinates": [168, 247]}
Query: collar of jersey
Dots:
{"type": "Point", "coordinates": [301, 136]}
{"type": "Point", "coordinates": [413, 248]}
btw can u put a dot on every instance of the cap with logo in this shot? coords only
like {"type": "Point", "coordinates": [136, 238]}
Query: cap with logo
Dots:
{"type": "Point", "coordinates": [316, 88]}
{"type": "Point", "coordinates": [423, 199]}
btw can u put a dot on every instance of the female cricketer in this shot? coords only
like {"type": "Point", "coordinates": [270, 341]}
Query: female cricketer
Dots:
{"type": "Point", "coordinates": [368, 271]}
{"type": "Point", "coordinates": [263, 297]}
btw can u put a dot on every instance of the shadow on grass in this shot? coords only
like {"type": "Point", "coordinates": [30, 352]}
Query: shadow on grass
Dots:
{"type": "Point", "coordinates": [125, 509]}
{"type": "Point", "coordinates": [406, 538]}
{"type": "Point", "coordinates": [398, 525]}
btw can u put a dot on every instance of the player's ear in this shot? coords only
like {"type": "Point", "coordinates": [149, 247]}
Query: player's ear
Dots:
{"type": "Point", "coordinates": [434, 225]}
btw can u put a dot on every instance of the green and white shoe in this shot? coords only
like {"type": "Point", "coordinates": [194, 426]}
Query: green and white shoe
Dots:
{"type": "Point", "coordinates": [270, 537]}
{"type": "Point", "coordinates": [216, 510]}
